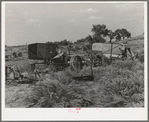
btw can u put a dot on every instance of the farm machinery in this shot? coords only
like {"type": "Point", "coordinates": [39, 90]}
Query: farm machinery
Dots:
{"type": "Point", "coordinates": [109, 52]}
{"type": "Point", "coordinates": [98, 55]}
{"type": "Point", "coordinates": [50, 54]}
{"type": "Point", "coordinates": [45, 54]}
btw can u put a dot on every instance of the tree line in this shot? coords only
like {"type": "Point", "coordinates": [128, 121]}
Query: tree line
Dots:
{"type": "Point", "coordinates": [99, 33]}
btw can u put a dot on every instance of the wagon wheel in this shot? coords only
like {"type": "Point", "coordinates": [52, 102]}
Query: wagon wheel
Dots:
{"type": "Point", "coordinates": [76, 63]}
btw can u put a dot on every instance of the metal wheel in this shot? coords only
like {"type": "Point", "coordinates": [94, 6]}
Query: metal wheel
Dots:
{"type": "Point", "coordinates": [76, 62]}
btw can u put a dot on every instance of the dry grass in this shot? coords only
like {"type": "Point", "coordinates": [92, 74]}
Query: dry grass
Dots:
{"type": "Point", "coordinates": [117, 85]}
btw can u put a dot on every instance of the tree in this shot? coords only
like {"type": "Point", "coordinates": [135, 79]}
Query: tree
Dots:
{"type": "Point", "coordinates": [89, 39]}
{"type": "Point", "coordinates": [118, 37]}
{"type": "Point", "coordinates": [80, 40]}
{"type": "Point", "coordinates": [99, 31]}
{"type": "Point", "coordinates": [118, 34]}
{"type": "Point", "coordinates": [122, 33]}
{"type": "Point", "coordinates": [128, 35]}
{"type": "Point", "coordinates": [64, 42]}
{"type": "Point", "coordinates": [111, 35]}
{"type": "Point", "coordinates": [105, 33]}
{"type": "Point", "coordinates": [97, 38]}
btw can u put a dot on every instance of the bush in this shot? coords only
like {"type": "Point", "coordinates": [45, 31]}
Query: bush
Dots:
{"type": "Point", "coordinates": [14, 54]}
{"type": "Point", "coordinates": [20, 54]}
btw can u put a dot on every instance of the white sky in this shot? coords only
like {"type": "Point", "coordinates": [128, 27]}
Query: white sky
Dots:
{"type": "Point", "coordinates": [71, 21]}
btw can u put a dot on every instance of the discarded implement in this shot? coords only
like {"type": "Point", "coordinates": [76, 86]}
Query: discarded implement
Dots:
{"type": "Point", "coordinates": [42, 51]}
{"type": "Point", "coordinates": [107, 52]}
{"type": "Point", "coordinates": [12, 73]}
{"type": "Point", "coordinates": [49, 53]}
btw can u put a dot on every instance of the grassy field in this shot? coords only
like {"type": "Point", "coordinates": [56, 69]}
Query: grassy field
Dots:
{"type": "Point", "coordinates": [120, 84]}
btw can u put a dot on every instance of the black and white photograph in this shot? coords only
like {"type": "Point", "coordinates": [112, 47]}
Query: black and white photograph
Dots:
{"type": "Point", "coordinates": [73, 58]}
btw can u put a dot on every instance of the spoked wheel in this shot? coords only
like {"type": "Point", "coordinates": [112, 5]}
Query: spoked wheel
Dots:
{"type": "Point", "coordinates": [76, 63]}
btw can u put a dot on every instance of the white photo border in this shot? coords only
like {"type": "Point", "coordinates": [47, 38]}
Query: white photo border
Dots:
{"type": "Point", "coordinates": [40, 114]}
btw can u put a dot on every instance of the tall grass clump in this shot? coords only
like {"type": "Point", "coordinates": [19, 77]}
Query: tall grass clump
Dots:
{"type": "Point", "coordinates": [24, 66]}
{"type": "Point", "coordinates": [63, 92]}
{"type": "Point", "coordinates": [50, 94]}
{"type": "Point", "coordinates": [123, 85]}
{"type": "Point", "coordinates": [128, 64]}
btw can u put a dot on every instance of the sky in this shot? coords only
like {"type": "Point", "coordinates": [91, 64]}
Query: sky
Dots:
{"type": "Point", "coordinates": [27, 23]}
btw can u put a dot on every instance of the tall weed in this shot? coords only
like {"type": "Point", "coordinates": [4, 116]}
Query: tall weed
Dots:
{"type": "Point", "coordinates": [123, 86]}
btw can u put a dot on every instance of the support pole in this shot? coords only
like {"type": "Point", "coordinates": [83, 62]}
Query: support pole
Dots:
{"type": "Point", "coordinates": [111, 52]}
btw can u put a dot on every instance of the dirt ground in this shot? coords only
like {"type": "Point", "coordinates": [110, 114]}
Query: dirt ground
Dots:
{"type": "Point", "coordinates": [15, 96]}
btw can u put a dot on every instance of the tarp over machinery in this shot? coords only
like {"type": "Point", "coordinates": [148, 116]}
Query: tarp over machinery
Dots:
{"type": "Point", "coordinates": [108, 49]}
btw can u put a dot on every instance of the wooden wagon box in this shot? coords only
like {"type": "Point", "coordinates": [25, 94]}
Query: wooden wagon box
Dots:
{"type": "Point", "coordinates": [42, 51]}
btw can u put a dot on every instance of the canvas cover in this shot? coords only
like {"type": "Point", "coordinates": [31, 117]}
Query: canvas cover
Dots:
{"type": "Point", "coordinates": [106, 48]}
{"type": "Point", "coordinates": [116, 49]}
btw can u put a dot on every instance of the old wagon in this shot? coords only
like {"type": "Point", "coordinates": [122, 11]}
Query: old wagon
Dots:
{"type": "Point", "coordinates": [50, 53]}
{"type": "Point", "coordinates": [42, 51]}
